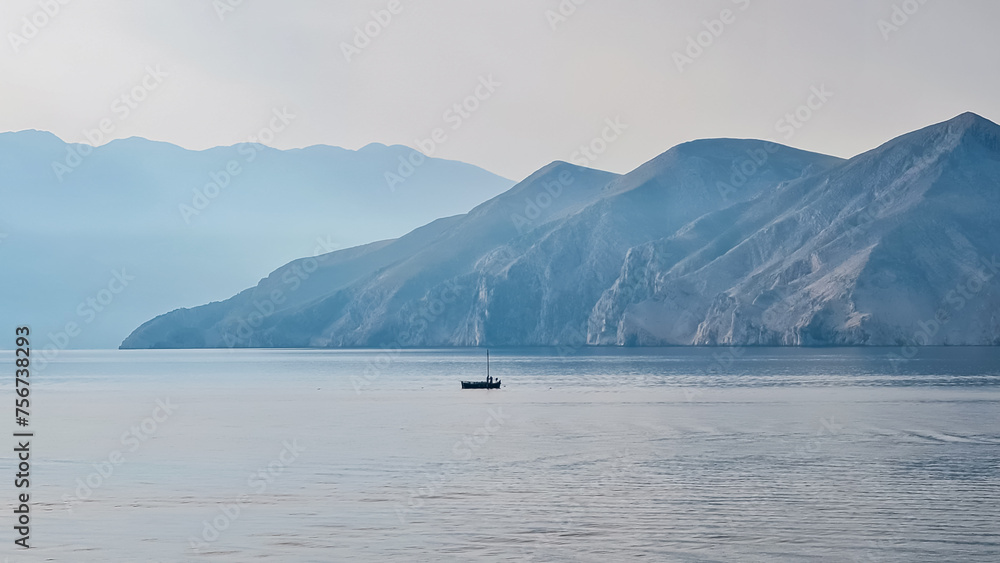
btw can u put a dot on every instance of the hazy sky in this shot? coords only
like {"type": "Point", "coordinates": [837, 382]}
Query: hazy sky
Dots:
{"type": "Point", "coordinates": [555, 81]}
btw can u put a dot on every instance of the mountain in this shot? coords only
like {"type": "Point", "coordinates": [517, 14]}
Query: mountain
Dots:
{"type": "Point", "coordinates": [896, 246]}
{"type": "Point", "coordinates": [715, 242]}
{"type": "Point", "coordinates": [184, 227]}
{"type": "Point", "coordinates": [525, 267]}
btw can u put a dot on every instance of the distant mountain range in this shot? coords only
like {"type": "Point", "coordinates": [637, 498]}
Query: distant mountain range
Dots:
{"type": "Point", "coordinates": [185, 227]}
{"type": "Point", "coordinates": [715, 242]}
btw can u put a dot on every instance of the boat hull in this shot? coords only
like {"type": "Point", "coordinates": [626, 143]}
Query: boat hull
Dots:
{"type": "Point", "coordinates": [480, 385]}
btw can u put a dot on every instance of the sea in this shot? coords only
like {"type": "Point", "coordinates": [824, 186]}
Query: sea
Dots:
{"type": "Point", "coordinates": [659, 454]}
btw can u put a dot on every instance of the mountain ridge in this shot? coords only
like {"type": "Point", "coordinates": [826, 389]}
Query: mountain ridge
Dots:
{"type": "Point", "coordinates": [728, 319]}
{"type": "Point", "coordinates": [194, 226]}
{"type": "Point", "coordinates": [557, 191]}
{"type": "Point", "coordinates": [713, 242]}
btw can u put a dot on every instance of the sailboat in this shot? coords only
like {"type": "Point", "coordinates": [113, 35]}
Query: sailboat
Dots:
{"type": "Point", "coordinates": [488, 384]}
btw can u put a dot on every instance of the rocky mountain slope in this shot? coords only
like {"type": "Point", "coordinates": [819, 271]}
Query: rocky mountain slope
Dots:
{"type": "Point", "coordinates": [714, 242]}
{"type": "Point", "coordinates": [895, 246]}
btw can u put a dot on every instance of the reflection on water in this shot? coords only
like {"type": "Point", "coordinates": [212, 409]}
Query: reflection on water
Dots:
{"type": "Point", "coordinates": [667, 455]}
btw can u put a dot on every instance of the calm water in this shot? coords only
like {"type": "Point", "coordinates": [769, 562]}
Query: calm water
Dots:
{"type": "Point", "coordinates": [659, 455]}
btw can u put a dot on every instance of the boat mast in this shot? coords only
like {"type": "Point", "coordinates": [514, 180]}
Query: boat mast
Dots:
{"type": "Point", "coordinates": [487, 362]}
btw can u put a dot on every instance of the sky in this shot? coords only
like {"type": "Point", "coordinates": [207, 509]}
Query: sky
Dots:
{"type": "Point", "coordinates": [509, 86]}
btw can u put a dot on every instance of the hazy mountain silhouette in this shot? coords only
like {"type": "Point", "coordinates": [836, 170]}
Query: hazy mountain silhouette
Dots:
{"type": "Point", "coordinates": [74, 218]}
